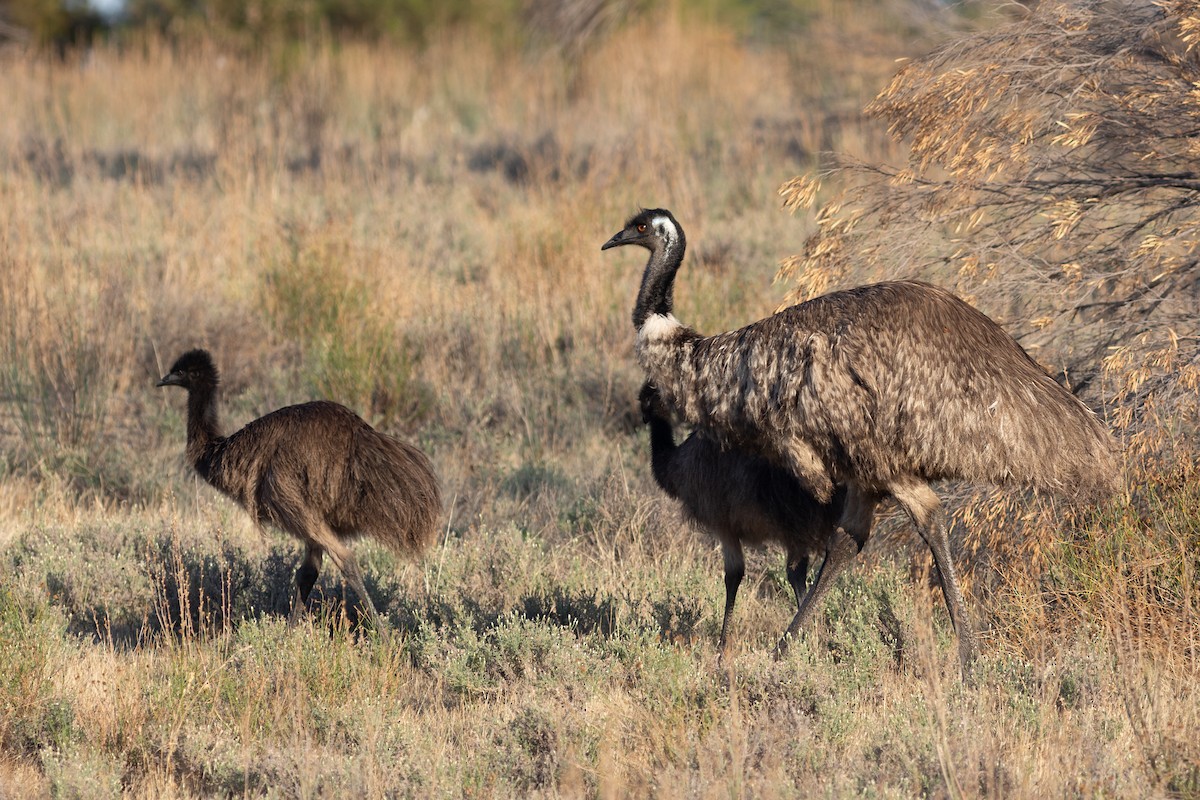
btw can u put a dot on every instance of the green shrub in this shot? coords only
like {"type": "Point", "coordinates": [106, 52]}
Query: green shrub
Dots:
{"type": "Point", "coordinates": [30, 717]}
{"type": "Point", "coordinates": [350, 351]}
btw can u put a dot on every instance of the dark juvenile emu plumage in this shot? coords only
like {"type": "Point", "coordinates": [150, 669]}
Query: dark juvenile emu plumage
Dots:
{"type": "Point", "coordinates": [315, 470]}
{"type": "Point", "coordinates": [739, 498]}
{"type": "Point", "coordinates": [882, 389]}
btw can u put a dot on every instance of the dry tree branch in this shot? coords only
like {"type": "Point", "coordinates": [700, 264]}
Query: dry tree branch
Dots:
{"type": "Point", "coordinates": [1051, 179]}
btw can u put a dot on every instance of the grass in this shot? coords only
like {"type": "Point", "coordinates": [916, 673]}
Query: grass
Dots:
{"type": "Point", "coordinates": [415, 232]}
{"type": "Point", "coordinates": [524, 668]}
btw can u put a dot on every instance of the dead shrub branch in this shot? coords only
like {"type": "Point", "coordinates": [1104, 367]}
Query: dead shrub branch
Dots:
{"type": "Point", "coordinates": [1050, 179]}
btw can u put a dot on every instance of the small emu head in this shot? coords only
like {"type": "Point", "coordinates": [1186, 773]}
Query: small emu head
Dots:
{"type": "Point", "coordinates": [193, 370]}
{"type": "Point", "coordinates": [652, 229]}
{"type": "Point", "coordinates": [650, 402]}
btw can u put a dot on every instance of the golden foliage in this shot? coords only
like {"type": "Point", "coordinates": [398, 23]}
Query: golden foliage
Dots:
{"type": "Point", "coordinates": [1050, 173]}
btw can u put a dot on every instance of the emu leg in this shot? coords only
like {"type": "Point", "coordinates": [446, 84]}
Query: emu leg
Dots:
{"type": "Point", "coordinates": [735, 570]}
{"type": "Point", "coordinates": [797, 575]}
{"type": "Point", "coordinates": [845, 542]}
{"type": "Point", "coordinates": [922, 505]}
{"type": "Point", "coordinates": [306, 578]}
{"type": "Point", "coordinates": [347, 564]}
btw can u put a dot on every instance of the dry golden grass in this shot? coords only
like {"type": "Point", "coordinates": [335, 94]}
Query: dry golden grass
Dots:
{"type": "Point", "coordinates": [416, 234]}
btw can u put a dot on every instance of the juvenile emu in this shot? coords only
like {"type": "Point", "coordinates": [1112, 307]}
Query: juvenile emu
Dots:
{"type": "Point", "coordinates": [740, 498]}
{"type": "Point", "coordinates": [882, 388]}
{"type": "Point", "coordinates": [315, 470]}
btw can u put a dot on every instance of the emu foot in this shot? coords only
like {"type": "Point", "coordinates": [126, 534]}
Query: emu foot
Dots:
{"type": "Point", "coordinates": [299, 612]}
{"type": "Point", "coordinates": [725, 661]}
{"type": "Point", "coordinates": [382, 632]}
{"type": "Point", "coordinates": [968, 654]}
{"type": "Point", "coordinates": [725, 672]}
{"type": "Point", "coordinates": [781, 649]}
{"type": "Point", "coordinates": [372, 624]}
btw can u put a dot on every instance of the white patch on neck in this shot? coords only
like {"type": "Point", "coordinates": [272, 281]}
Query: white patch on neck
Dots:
{"type": "Point", "coordinates": [658, 326]}
{"type": "Point", "coordinates": [667, 228]}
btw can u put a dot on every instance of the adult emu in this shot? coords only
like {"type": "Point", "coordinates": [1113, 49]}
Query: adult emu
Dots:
{"type": "Point", "coordinates": [881, 388]}
{"type": "Point", "coordinates": [315, 470]}
{"type": "Point", "coordinates": [739, 498]}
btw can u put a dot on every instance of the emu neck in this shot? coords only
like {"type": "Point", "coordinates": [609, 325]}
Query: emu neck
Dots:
{"type": "Point", "coordinates": [662, 452]}
{"type": "Point", "coordinates": [203, 433]}
{"type": "Point", "coordinates": [657, 293]}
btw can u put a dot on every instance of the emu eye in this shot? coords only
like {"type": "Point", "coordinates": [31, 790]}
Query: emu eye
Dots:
{"type": "Point", "coordinates": [641, 227]}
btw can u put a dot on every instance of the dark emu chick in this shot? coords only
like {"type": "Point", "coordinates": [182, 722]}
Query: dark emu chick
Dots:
{"type": "Point", "coordinates": [315, 470]}
{"type": "Point", "coordinates": [739, 498]}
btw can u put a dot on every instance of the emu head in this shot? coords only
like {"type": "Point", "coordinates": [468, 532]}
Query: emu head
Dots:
{"type": "Point", "coordinates": [193, 370]}
{"type": "Point", "coordinates": [650, 402]}
{"type": "Point", "coordinates": [653, 229]}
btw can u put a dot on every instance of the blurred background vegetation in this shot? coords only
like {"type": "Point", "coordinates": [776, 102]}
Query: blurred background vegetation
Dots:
{"type": "Point", "coordinates": [565, 24]}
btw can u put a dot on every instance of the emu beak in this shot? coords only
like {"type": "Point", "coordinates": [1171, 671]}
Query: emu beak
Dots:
{"type": "Point", "coordinates": [170, 379]}
{"type": "Point", "coordinates": [617, 240]}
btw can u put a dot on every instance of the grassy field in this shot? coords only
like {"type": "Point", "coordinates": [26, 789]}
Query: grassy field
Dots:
{"type": "Point", "coordinates": [416, 233]}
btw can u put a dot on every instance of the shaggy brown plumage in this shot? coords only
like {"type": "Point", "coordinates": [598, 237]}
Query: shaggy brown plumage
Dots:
{"type": "Point", "coordinates": [316, 471]}
{"type": "Point", "coordinates": [739, 498]}
{"type": "Point", "coordinates": [882, 388]}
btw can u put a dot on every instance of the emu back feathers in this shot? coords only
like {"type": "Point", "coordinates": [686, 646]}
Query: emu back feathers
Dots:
{"type": "Point", "coordinates": [883, 381]}
{"type": "Point", "coordinates": [320, 458]}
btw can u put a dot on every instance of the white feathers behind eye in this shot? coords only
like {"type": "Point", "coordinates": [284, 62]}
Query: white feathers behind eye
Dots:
{"type": "Point", "coordinates": [666, 227]}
